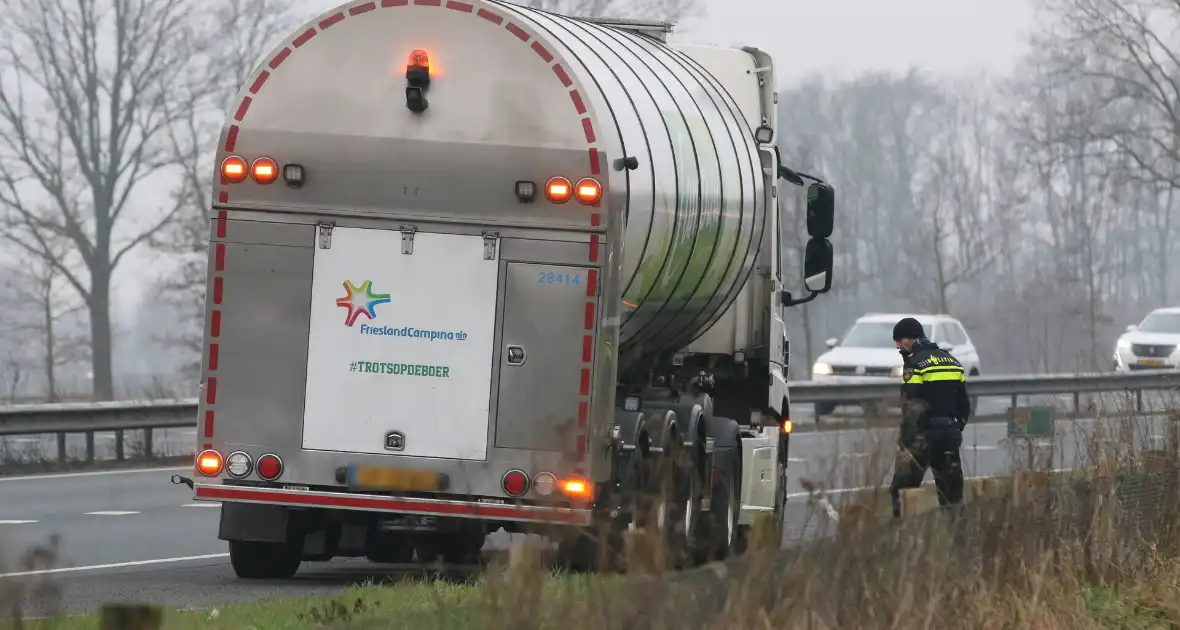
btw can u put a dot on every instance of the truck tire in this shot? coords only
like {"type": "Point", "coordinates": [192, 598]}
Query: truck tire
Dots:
{"type": "Point", "coordinates": [823, 409]}
{"type": "Point", "coordinates": [723, 518]}
{"type": "Point", "coordinates": [253, 560]}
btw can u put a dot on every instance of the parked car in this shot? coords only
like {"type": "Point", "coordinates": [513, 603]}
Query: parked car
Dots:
{"type": "Point", "coordinates": [867, 351]}
{"type": "Point", "coordinates": [1150, 345]}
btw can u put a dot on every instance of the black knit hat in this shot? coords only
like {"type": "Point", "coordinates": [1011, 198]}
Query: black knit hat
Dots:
{"type": "Point", "coordinates": [908, 328]}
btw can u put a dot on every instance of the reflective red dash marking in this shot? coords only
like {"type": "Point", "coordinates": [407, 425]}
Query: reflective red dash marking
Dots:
{"type": "Point", "coordinates": [217, 284]}
{"type": "Point", "coordinates": [331, 20]}
{"type": "Point", "coordinates": [540, 50]}
{"type": "Point", "coordinates": [578, 104]}
{"type": "Point", "coordinates": [280, 58]}
{"type": "Point", "coordinates": [592, 283]}
{"type": "Point", "coordinates": [304, 38]}
{"type": "Point", "coordinates": [518, 32]}
{"type": "Point", "coordinates": [243, 107]}
{"type": "Point", "coordinates": [231, 138]}
{"type": "Point", "coordinates": [589, 322]}
{"type": "Point", "coordinates": [219, 257]}
{"type": "Point", "coordinates": [489, 16]}
{"type": "Point", "coordinates": [461, 7]}
{"type": "Point", "coordinates": [215, 324]}
{"type": "Point", "coordinates": [208, 425]}
{"type": "Point", "coordinates": [214, 352]}
{"type": "Point", "coordinates": [587, 348]}
{"type": "Point", "coordinates": [593, 248]}
{"type": "Point", "coordinates": [211, 391]}
{"type": "Point", "coordinates": [259, 82]}
{"type": "Point", "coordinates": [362, 8]}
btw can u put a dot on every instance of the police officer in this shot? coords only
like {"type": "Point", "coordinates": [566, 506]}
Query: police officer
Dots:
{"type": "Point", "coordinates": [935, 408]}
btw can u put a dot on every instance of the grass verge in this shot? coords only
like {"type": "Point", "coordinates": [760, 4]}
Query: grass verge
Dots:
{"type": "Point", "coordinates": [1095, 548]}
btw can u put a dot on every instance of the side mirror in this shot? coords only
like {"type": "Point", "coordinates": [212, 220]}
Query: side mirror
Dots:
{"type": "Point", "coordinates": [817, 265]}
{"type": "Point", "coordinates": [821, 210]}
{"type": "Point", "coordinates": [831, 343]}
{"type": "Point", "coordinates": [1132, 328]}
{"type": "Point", "coordinates": [817, 272]}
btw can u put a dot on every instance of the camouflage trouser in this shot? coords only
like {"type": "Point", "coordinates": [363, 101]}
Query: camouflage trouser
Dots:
{"type": "Point", "coordinates": [937, 449]}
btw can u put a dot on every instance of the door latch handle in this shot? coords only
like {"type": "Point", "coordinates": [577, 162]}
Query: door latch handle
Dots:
{"type": "Point", "coordinates": [516, 355]}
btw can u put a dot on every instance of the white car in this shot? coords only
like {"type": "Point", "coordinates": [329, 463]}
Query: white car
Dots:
{"type": "Point", "coordinates": [1152, 344]}
{"type": "Point", "coordinates": [867, 351]}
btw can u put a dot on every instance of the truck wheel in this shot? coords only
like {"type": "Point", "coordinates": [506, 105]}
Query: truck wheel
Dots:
{"type": "Point", "coordinates": [823, 409]}
{"type": "Point", "coordinates": [264, 560]}
{"type": "Point", "coordinates": [723, 521]}
{"type": "Point", "coordinates": [578, 554]}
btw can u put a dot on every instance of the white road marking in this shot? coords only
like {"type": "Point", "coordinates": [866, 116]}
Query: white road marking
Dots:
{"type": "Point", "coordinates": [216, 505]}
{"type": "Point", "coordinates": [796, 460]}
{"type": "Point", "coordinates": [116, 565]}
{"type": "Point", "coordinates": [983, 447]}
{"type": "Point", "coordinates": [95, 473]}
{"type": "Point", "coordinates": [15, 522]}
{"type": "Point", "coordinates": [110, 513]}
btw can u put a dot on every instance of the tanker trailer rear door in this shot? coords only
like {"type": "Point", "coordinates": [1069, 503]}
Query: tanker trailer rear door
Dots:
{"type": "Point", "coordinates": [399, 358]}
{"type": "Point", "coordinates": [547, 343]}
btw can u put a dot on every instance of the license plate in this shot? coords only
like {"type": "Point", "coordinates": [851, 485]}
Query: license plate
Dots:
{"type": "Point", "coordinates": [406, 480]}
{"type": "Point", "coordinates": [1152, 362]}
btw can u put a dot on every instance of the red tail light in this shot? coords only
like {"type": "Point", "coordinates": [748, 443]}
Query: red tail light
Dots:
{"type": "Point", "coordinates": [269, 467]}
{"type": "Point", "coordinates": [515, 483]}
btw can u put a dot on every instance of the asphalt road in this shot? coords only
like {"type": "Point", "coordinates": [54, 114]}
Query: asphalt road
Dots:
{"type": "Point", "coordinates": [132, 535]}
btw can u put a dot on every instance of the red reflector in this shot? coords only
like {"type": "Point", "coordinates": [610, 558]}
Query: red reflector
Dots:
{"type": "Point", "coordinates": [269, 467]}
{"type": "Point", "coordinates": [515, 483]}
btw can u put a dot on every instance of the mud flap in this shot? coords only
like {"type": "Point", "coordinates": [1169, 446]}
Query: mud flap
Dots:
{"type": "Point", "coordinates": [253, 522]}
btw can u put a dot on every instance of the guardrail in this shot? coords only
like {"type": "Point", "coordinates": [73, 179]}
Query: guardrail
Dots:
{"type": "Point", "coordinates": [120, 416]}
{"type": "Point", "coordinates": [857, 389]}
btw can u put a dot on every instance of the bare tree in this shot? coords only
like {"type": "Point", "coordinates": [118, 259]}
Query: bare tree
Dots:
{"type": "Point", "coordinates": [41, 313]}
{"type": "Point", "coordinates": [84, 118]}
{"type": "Point", "coordinates": [87, 122]}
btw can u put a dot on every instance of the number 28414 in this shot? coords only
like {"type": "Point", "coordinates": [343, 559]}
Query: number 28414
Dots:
{"type": "Point", "coordinates": [556, 277]}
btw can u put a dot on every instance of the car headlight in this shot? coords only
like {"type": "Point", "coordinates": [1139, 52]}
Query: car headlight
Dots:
{"type": "Point", "coordinates": [895, 372]}
{"type": "Point", "coordinates": [821, 369]}
{"type": "Point", "coordinates": [1124, 344]}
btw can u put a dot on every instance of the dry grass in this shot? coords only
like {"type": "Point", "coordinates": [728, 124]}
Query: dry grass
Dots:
{"type": "Point", "coordinates": [1094, 547]}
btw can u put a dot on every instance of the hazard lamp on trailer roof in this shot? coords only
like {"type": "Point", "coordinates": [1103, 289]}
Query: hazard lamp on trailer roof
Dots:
{"type": "Point", "coordinates": [264, 170]}
{"type": "Point", "coordinates": [417, 81]}
{"type": "Point", "coordinates": [234, 169]}
{"type": "Point", "coordinates": [589, 192]}
{"type": "Point", "coordinates": [559, 190]}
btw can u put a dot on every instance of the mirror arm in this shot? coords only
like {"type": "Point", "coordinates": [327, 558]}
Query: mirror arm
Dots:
{"type": "Point", "coordinates": [788, 300]}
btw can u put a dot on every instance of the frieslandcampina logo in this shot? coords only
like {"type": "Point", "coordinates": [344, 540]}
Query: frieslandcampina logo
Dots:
{"type": "Point", "coordinates": [361, 300]}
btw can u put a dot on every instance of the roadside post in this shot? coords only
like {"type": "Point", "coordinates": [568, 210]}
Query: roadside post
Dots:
{"type": "Point", "coordinates": [1034, 428]}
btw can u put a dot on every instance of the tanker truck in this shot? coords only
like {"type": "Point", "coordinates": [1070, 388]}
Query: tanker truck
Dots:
{"type": "Point", "coordinates": [477, 267]}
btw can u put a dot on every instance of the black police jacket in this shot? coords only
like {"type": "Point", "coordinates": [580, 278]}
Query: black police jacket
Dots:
{"type": "Point", "coordinates": [933, 390]}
